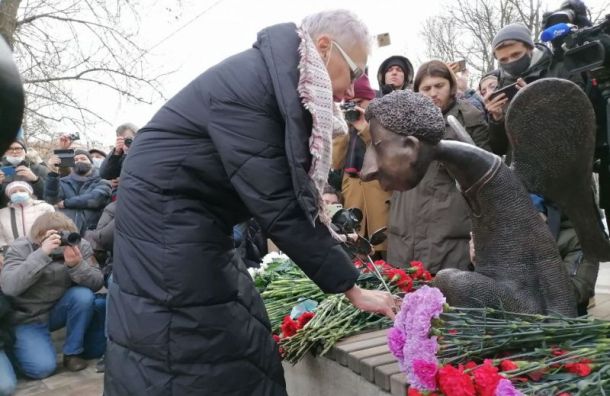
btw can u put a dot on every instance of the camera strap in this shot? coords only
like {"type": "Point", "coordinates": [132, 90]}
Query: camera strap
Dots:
{"type": "Point", "coordinates": [14, 224]}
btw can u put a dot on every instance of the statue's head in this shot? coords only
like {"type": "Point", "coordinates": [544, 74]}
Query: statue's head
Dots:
{"type": "Point", "coordinates": [405, 128]}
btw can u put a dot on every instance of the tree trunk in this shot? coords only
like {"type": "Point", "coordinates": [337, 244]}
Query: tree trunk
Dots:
{"type": "Point", "coordinates": [8, 20]}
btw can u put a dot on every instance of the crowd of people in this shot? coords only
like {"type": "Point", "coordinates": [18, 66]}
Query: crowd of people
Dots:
{"type": "Point", "coordinates": [205, 195]}
{"type": "Point", "coordinates": [56, 239]}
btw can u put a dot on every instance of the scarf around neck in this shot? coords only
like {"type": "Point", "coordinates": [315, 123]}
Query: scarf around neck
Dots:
{"type": "Point", "coordinates": [316, 93]}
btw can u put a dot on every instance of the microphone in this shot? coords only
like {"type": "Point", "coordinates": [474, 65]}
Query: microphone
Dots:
{"type": "Point", "coordinates": [556, 31]}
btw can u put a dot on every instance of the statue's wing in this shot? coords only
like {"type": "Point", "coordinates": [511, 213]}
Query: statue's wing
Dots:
{"type": "Point", "coordinates": [11, 98]}
{"type": "Point", "coordinates": [551, 126]}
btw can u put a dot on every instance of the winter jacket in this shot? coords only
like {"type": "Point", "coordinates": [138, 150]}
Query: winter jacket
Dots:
{"type": "Point", "coordinates": [39, 170]}
{"type": "Point", "coordinates": [111, 167]}
{"type": "Point", "coordinates": [369, 197]}
{"type": "Point", "coordinates": [431, 222]}
{"type": "Point", "coordinates": [25, 215]}
{"type": "Point", "coordinates": [36, 282]}
{"type": "Point", "coordinates": [184, 315]}
{"type": "Point", "coordinates": [84, 197]}
{"type": "Point", "coordinates": [102, 240]}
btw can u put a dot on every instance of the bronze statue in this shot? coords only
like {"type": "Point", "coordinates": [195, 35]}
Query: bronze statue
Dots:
{"type": "Point", "coordinates": [11, 98]}
{"type": "Point", "coordinates": [518, 264]}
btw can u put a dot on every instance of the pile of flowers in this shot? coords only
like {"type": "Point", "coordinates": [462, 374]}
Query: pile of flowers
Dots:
{"type": "Point", "coordinates": [480, 351]}
{"type": "Point", "coordinates": [304, 319]}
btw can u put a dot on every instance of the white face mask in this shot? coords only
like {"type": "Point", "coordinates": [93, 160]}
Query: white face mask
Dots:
{"type": "Point", "coordinates": [15, 160]}
{"type": "Point", "coordinates": [20, 197]}
{"type": "Point", "coordinates": [97, 162]}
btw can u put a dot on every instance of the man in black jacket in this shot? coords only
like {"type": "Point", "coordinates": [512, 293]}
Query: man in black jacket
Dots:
{"type": "Point", "coordinates": [184, 315]}
{"type": "Point", "coordinates": [111, 167]}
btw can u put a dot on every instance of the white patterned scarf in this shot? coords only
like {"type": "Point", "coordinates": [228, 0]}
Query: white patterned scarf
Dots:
{"type": "Point", "coordinates": [316, 93]}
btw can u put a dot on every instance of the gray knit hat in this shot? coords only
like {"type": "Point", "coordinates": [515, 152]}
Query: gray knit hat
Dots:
{"type": "Point", "coordinates": [514, 31]}
{"type": "Point", "coordinates": [408, 113]}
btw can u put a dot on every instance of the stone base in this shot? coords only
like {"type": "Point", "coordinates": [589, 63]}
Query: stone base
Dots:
{"type": "Point", "coordinates": [324, 377]}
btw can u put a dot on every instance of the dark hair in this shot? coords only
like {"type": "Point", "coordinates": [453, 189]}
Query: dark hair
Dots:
{"type": "Point", "coordinates": [328, 189]}
{"type": "Point", "coordinates": [435, 68]}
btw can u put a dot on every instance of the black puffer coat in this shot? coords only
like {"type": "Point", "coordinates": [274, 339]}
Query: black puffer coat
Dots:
{"type": "Point", "coordinates": [184, 316]}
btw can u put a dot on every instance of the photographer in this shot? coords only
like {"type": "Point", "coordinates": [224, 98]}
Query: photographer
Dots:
{"type": "Point", "coordinates": [348, 154]}
{"type": "Point", "coordinates": [16, 166]}
{"type": "Point", "coordinates": [82, 195]}
{"type": "Point", "coordinates": [51, 278]}
{"type": "Point", "coordinates": [111, 167]}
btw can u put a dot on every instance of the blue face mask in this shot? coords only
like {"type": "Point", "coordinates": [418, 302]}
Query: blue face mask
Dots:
{"type": "Point", "coordinates": [20, 197]}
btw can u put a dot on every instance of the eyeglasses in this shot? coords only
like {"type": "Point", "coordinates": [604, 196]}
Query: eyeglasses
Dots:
{"type": "Point", "coordinates": [354, 71]}
{"type": "Point", "coordinates": [15, 149]}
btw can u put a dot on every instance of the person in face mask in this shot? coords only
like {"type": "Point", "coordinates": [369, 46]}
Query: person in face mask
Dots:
{"type": "Point", "coordinates": [17, 166]}
{"type": "Point", "coordinates": [520, 61]}
{"type": "Point", "coordinates": [82, 195]}
{"type": "Point", "coordinates": [17, 218]}
{"type": "Point", "coordinates": [97, 157]}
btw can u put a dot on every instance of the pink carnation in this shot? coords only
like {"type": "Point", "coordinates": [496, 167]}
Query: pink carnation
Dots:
{"type": "Point", "coordinates": [506, 388]}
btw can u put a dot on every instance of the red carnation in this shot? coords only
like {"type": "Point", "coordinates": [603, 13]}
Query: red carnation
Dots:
{"type": "Point", "coordinates": [508, 365]}
{"type": "Point", "coordinates": [486, 379]}
{"type": "Point", "coordinates": [454, 382]}
{"type": "Point", "coordinates": [470, 365]}
{"type": "Point", "coordinates": [400, 279]}
{"type": "Point", "coordinates": [582, 368]}
{"type": "Point", "coordinates": [289, 327]}
{"type": "Point", "coordinates": [413, 392]}
{"type": "Point", "coordinates": [304, 318]}
{"type": "Point", "coordinates": [276, 338]}
{"type": "Point", "coordinates": [419, 269]}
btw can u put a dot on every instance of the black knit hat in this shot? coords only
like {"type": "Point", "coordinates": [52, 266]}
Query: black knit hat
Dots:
{"type": "Point", "coordinates": [98, 151]}
{"type": "Point", "coordinates": [83, 152]}
{"type": "Point", "coordinates": [400, 61]}
{"type": "Point", "coordinates": [22, 144]}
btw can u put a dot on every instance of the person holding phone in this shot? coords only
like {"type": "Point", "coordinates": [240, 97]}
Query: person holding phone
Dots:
{"type": "Point", "coordinates": [15, 165]}
{"type": "Point", "coordinates": [520, 61]}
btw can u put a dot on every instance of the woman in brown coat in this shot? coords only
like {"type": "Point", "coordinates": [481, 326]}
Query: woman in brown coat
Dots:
{"type": "Point", "coordinates": [431, 222]}
{"type": "Point", "coordinates": [366, 196]}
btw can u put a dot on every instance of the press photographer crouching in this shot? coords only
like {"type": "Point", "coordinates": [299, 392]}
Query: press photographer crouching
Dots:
{"type": "Point", "coordinates": [51, 279]}
{"type": "Point", "coordinates": [348, 154]}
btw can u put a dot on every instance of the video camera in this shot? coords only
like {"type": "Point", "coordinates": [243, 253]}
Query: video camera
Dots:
{"type": "Point", "coordinates": [350, 112]}
{"type": "Point", "coordinates": [585, 52]}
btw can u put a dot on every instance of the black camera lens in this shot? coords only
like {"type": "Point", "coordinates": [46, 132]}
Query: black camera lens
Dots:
{"type": "Point", "coordinates": [69, 238]}
{"type": "Point", "coordinates": [128, 142]}
{"type": "Point", "coordinates": [347, 220]}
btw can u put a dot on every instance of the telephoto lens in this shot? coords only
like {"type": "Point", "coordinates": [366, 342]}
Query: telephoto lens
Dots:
{"type": "Point", "coordinates": [69, 238]}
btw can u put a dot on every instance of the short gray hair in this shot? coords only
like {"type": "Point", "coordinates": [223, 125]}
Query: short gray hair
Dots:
{"type": "Point", "coordinates": [123, 127]}
{"type": "Point", "coordinates": [342, 25]}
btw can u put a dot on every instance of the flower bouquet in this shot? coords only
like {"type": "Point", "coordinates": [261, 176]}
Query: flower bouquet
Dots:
{"type": "Point", "coordinates": [304, 319]}
{"type": "Point", "coordinates": [481, 351]}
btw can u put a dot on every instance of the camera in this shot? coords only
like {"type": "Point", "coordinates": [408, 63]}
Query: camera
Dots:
{"type": "Point", "coordinates": [350, 112]}
{"type": "Point", "coordinates": [347, 221]}
{"type": "Point", "coordinates": [69, 238]}
{"type": "Point", "coordinates": [128, 141]}
{"type": "Point", "coordinates": [74, 136]}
